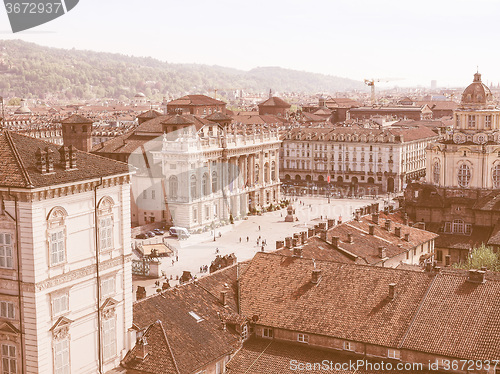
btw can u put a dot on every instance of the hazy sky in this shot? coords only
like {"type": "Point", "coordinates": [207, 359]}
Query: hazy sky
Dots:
{"type": "Point", "coordinates": [416, 41]}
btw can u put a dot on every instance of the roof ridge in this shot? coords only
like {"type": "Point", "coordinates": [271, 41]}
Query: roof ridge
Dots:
{"type": "Point", "coordinates": [418, 310]}
{"type": "Point", "coordinates": [18, 159]}
{"type": "Point", "coordinates": [169, 347]}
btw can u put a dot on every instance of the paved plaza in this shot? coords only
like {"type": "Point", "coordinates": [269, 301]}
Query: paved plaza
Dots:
{"type": "Point", "coordinates": [201, 249]}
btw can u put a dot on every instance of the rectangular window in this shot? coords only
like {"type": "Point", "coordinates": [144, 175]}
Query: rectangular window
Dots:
{"type": "Point", "coordinates": [9, 361]}
{"type": "Point", "coordinates": [447, 227]}
{"type": "Point", "coordinates": [106, 233]}
{"type": "Point", "coordinates": [439, 255]}
{"type": "Point", "coordinates": [195, 215]}
{"type": "Point", "coordinates": [267, 333]}
{"type": "Point", "coordinates": [6, 251]}
{"type": "Point", "coordinates": [468, 229]}
{"type": "Point", "coordinates": [109, 338]}
{"type": "Point", "coordinates": [108, 286]}
{"type": "Point", "coordinates": [244, 332]}
{"type": "Point", "coordinates": [348, 346]}
{"type": "Point", "coordinates": [57, 247]}
{"type": "Point", "coordinates": [60, 304]}
{"type": "Point", "coordinates": [61, 357]}
{"type": "Point", "coordinates": [303, 338]}
{"type": "Point", "coordinates": [7, 310]}
{"type": "Point", "coordinates": [207, 213]}
{"type": "Point", "coordinates": [487, 121]}
{"type": "Point", "coordinates": [153, 194]}
{"type": "Point", "coordinates": [393, 353]}
{"type": "Point", "coordinates": [471, 120]}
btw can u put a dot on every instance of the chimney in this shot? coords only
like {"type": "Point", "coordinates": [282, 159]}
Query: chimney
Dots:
{"type": "Point", "coordinates": [41, 161]}
{"type": "Point", "coordinates": [296, 236]}
{"type": "Point", "coordinates": [50, 160]}
{"type": "Point", "coordinates": [223, 298]}
{"type": "Point", "coordinates": [381, 252]}
{"type": "Point", "coordinates": [72, 157]}
{"type": "Point", "coordinates": [428, 266]}
{"type": "Point", "coordinates": [357, 215]}
{"type": "Point", "coordinates": [64, 157]}
{"type": "Point", "coordinates": [322, 225]}
{"type": "Point", "coordinates": [407, 236]}
{"type": "Point", "coordinates": [335, 241]}
{"type": "Point", "coordinates": [371, 229]}
{"type": "Point", "coordinates": [279, 244]}
{"type": "Point", "coordinates": [316, 276]}
{"type": "Point", "coordinates": [331, 223]}
{"type": "Point", "coordinates": [303, 236]}
{"type": "Point", "coordinates": [447, 260]}
{"type": "Point", "coordinates": [141, 349]}
{"type": "Point", "coordinates": [476, 276]}
{"type": "Point", "coordinates": [288, 242]}
{"type": "Point", "coordinates": [141, 292]}
{"type": "Point", "coordinates": [297, 252]}
{"type": "Point", "coordinates": [405, 219]}
{"type": "Point", "coordinates": [392, 291]}
{"type": "Point", "coordinates": [397, 231]}
{"type": "Point", "coordinates": [295, 242]}
{"type": "Point", "coordinates": [349, 238]}
{"type": "Point", "coordinates": [322, 235]}
{"type": "Point", "coordinates": [310, 232]}
{"type": "Point", "coordinates": [375, 218]}
{"type": "Point", "coordinates": [388, 225]}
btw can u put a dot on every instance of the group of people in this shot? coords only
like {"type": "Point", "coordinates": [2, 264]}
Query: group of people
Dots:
{"type": "Point", "coordinates": [203, 268]}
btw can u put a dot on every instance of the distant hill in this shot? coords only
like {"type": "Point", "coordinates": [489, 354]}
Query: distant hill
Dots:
{"type": "Point", "coordinates": [29, 70]}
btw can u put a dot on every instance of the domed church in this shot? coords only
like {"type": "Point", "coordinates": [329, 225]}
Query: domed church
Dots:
{"type": "Point", "coordinates": [469, 156]}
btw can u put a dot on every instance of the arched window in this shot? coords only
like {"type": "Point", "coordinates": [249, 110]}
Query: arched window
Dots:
{"type": "Point", "coordinates": [105, 212]}
{"type": "Point", "coordinates": [436, 172]}
{"type": "Point", "coordinates": [214, 182]}
{"type": "Point", "coordinates": [56, 231]}
{"type": "Point", "coordinates": [205, 185]}
{"type": "Point", "coordinates": [266, 172]}
{"type": "Point", "coordinates": [464, 175]}
{"type": "Point", "coordinates": [193, 185]}
{"type": "Point", "coordinates": [496, 176]}
{"type": "Point", "coordinates": [173, 186]}
{"type": "Point", "coordinates": [273, 171]}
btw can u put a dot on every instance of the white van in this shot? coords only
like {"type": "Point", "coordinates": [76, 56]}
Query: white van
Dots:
{"type": "Point", "coordinates": [180, 232]}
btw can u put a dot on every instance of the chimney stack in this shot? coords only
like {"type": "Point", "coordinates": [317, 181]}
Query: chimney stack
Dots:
{"type": "Point", "coordinates": [388, 225]}
{"type": "Point", "coordinates": [310, 232]}
{"type": "Point", "coordinates": [295, 242]}
{"type": "Point", "coordinates": [141, 349]}
{"type": "Point", "coordinates": [349, 238]}
{"type": "Point", "coordinates": [322, 235]}
{"type": "Point", "coordinates": [279, 244]}
{"type": "Point", "coordinates": [407, 236]}
{"type": "Point", "coordinates": [392, 291]}
{"type": "Point", "coordinates": [375, 218]}
{"type": "Point", "coordinates": [476, 276]}
{"type": "Point", "coordinates": [397, 231]}
{"type": "Point", "coordinates": [303, 236]}
{"type": "Point", "coordinates": [316, 276]}
{"type": "Point", "coordinates": [223, 297]}
{"type": "Point", "coordinates": [41, 161]}
{"type": "Point", "coordinates": [381, 252]}
{"type": "Point", "coordinates": [72, 157]}
{"type": "Point", "coordinates": [331, 223]}
{"type": "Point", "coordinates": [141, 292]}
{"type": "Point", "coordinates": [288, 242]}
{"type": "Point", "coordinates": [335, 241]}
{"type": "Point", "coordinates": [371, 229]}
{"type": "Point", "coordinates": [64, 157]}
{"type": "Point", "coordinates": [50, 159]}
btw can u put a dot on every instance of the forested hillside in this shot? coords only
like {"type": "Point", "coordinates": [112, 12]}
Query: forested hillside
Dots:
{"type": "Point", "coordinates": [29, 70]}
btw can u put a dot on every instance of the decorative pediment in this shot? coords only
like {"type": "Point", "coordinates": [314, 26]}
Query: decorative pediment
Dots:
{"type": "Point", "coordinates": [108, 308]}
{"type": "Point", "coordinates": [8, 328]}
{"type": "Point", "coordinates": [105, 205]}
{"type": "Point", "coordinates": [60, 329]}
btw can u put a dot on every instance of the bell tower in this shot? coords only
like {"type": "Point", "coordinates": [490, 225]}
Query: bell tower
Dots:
{"type": "Point", "coordinates": [77, 132]}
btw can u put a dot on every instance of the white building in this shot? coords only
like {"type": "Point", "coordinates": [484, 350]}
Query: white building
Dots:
{"type": "Point", "coordinates": [65, 270]}
{"type": "Point", "coordinates": [378, 160]}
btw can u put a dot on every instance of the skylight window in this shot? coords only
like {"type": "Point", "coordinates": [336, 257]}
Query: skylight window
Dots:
{"type": "Point", "coordinates": [196, 316]}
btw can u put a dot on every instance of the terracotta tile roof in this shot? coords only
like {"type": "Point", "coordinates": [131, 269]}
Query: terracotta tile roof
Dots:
{"type": "Point", "coordinates": [195, 100]}
{"type": "Point", "coordinates": [218, 116]}
{"type": "Point", "coordinates": [478, 236]}
{"type": "Point", "coordinates": [193, 344]}
{"type": "Point", "coordinates": [275, 102]}
{"type": "Point", "coordinates": [18, 168]}
{"type": "Point", "coordinates": [278, 289]}
{"type": "Point", "coordinates": [149, 114]}
{"type": "Point", "coordinates": [458, 319]}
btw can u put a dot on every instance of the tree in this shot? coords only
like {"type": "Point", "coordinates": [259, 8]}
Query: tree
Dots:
{"type": "Point", "coordinates": [14, 101]}
{"type": "Point", "coordinates": [479, 257]}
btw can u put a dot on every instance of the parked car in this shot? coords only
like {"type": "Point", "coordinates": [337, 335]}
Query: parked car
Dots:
{"type": "Point", "coordinates": [158, 232]}
{"type": "Point", "coordinates": [150, 234]}
{"type": "Point", "coordinates": [141, 236]}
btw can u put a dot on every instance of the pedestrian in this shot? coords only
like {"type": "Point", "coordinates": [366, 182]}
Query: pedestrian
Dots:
{"type": "Point", "coordinates": [201, 269]}
{"type": "Point", "coordinates": [172, 262]}
{"type": "Point", "coordinates": [259, 227]}
{"type": "Point", "coordinates": [216, 250]}
{"type": "Point", "coordinates": [240, 239]}
{"type": "Point", "coordinates": [262, 249]}
{"type": "Point", "coordinates": [247, 239]}
{"type": "Point", "coordinates": [177, 258]}
{"type": "Point", "coordinates": [220, 235]}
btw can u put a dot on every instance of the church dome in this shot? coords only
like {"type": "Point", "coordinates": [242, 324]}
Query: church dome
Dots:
{"type": "Point", "coordinates": [477, 93]}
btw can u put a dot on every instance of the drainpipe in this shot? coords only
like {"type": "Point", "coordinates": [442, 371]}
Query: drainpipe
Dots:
{"type": "Point", "coordinates": [19, 282]}
{"type": "Point", "coordinates": [96, 234]}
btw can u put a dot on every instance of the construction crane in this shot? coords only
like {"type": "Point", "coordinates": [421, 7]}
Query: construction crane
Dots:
{"type": "Point", "coordinates": [371, 83]}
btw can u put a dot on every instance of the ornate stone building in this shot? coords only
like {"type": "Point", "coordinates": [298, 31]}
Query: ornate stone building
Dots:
{"type": "Point", "coordinates": [65, 270]}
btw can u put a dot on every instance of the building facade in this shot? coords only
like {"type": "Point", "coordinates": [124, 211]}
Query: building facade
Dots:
{"type": "Point", "coordinates": [378, 160]}
{"type": "Point", "coordinates": [66, 300]}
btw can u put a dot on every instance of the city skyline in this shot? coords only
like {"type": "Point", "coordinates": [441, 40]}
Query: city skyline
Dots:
{"type": "Point", "coordinates": [357, 40]}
